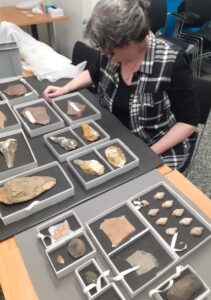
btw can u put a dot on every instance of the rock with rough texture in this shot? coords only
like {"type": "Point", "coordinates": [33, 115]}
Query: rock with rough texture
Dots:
{"type": "Point", "coordinates": [3, 119]}
{"type": "Point", "coordinates": [153, 212]}
{"type": "Point", "coordinates": [75, 109]}
{"type": "Point", "coordinates": [25, 188]}
{"type": "Point", "coordinates": [93, 166]}
{"type": "Point", "coordinates": [67, 144]}
{"type": "Point", "coordinates": [115, 156]}
{"type": "Point", "coordinates": [197, 231]}
{"type": "Point", "coordinates": [76, 248]}
{"type": "Point", "coordinates": [89, 133]}
{"type": "Point", "coordinates": [8, 148]}
{"type": "Point", "coordinates": [90, 277]}
{"type": "Point", "coordinates": [60, 259]}
{"type": "Point", "coordinates": [36, 115]}
{"type": "Point", "coordinates": [184, 288]}
{"type": "Point", "coordinates": [59, 230]}
{"type": "Point", "coordinates": [15, 90]}
{"type": "Point", "coordinates": [159, 196]}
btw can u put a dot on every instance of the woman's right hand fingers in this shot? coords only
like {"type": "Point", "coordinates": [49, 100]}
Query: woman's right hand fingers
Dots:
{"type": "Point", "coordinates": [51, 92]}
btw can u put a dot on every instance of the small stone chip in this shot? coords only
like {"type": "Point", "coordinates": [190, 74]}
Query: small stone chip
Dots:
{"type": "Point", "coordinates": [76, 248]}
{"type": "Point", "coordinates": [90, 277]}
{"type": "Point", "coordinates": [60, 259]}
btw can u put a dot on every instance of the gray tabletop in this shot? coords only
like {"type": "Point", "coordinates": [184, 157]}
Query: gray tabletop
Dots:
{"type": "Point", "coordinates": [48, 287]}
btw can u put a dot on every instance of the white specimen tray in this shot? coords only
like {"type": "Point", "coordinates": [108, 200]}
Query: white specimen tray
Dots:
{"type": "Point", "coordinates": [109, 292]}
{"type": "Point", "coordinates": [61, 191]}
{"type": "Point", "coordinates": [12, 122]}
{"type": "Point", "coordinates": [60, 104]}
{"type": "Point", "coordinates": [33, 130]}
{"type": "Point", "coordinates": [90, 181]}
{"type": "Point", "coordinates": [74, 132]}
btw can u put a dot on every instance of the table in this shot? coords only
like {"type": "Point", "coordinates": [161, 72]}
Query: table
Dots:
{"type": "Point", "coordinates": [13, 274]}
{"type": "Point", "coordinates": [22, 18]}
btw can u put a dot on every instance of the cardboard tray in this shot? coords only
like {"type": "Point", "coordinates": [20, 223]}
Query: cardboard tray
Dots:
{"type": "Point", "coordinates": [90, 181]}
{"type": "Point", "coordinates": [74, 132]}
{"type": "Point", "coordinates": [61, 191]}
{"type": "Point", "coordinates": [70, 263]}
{"type": "Point", "coordinates": [12, 122]}
{"type": "Point", "coordinates": [60, 104]}
{"type": "Point", "coordinates": [33, 130]}
{"type": "Point", "coordinates": [24, 157]}
{"type": "Point", "coordinates": [73, 221]}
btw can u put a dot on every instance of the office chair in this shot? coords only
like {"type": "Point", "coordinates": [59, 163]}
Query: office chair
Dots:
{"type": "Point", "coordinates": [83, 52]}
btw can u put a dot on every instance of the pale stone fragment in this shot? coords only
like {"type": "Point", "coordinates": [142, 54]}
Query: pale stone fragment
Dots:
{"type": "Point", "coordinates": [171, 230]}
{"type": "Point", "coordinates": [159, 195]}
{"type": "Point", "coordinates": [60, 259]}
{"type": "Point", "coordinates": [93, 166]}
{"type": "Point", "coordinates": [115, 156]}
{"type": "Point", "coordinates": [89, 133]}
{"type": "Point", "coordinates": [185, 221]}
{"type": "Point", "coordinates": [144, 259]}
{"type": "Point", "coordinates": [117, 229]}
{"type": "Point", "coordinates": [36, 115]}
{"type": "Point", "coordinates": [67, 144]}
{"type": "Point", "coordinates": [184, 288]}
{"type": "Point", "coordinates": [162, 221]}
{"type": "Point", "coordinates": [75, 109]}
{"type": "Point", "coordinates": [8, 148]}
{"type": "Point", "coordinates": [153, 212]}
{"type": "Point", "coordinates": [197, 231]}
{"type": "Point", "coordinates": [59, 230]}
{"type": "Point", "coordinates": [15, 90]}
{"type": "Point", "coordinates": [3, 119]}
{"type": "Point", "coordinates": [144, 203]}
{"type": "Point", "coordinates": [90, 277]}
{"type": "Point", "coordinates": [167, 204]}
{"type": "Point", "coordinates": [76, 248]}
{"type": "Point", "coordinates": [25, 188]}
{"type": "Point", "coordinates": [178, 212]}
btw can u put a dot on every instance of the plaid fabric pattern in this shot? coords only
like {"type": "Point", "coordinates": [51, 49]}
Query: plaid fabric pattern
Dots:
{"type": "Point", "coordinates": [149, 104]}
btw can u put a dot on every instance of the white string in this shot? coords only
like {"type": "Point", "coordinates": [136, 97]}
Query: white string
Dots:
{"type": "Point", "coordinates": [173, 243]}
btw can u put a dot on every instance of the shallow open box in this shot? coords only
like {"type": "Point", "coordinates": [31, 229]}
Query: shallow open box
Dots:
{"type": "Point", "coordinates": [12, 122]}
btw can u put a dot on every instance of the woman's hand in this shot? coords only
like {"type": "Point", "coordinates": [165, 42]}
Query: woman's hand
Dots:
{"type": "Point", "coordinates": [52, 92]}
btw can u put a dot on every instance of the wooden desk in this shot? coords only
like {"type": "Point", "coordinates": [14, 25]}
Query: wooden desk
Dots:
{"type": "Point", "coordinates": [23, 17]}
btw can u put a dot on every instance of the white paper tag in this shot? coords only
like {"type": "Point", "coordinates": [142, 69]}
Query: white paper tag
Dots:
{"type": "Point", "coordinates": [74, 106]}
{"type": "Point", "coordinates": [30, 116]}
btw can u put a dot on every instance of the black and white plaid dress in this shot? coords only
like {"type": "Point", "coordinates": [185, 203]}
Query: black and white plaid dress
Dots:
{"type": "Point", "coordinates": [160, 95]}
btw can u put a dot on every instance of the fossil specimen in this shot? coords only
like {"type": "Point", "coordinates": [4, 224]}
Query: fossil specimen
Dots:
{"type": "Point", "coordinates": [178, 212]}
{"type": "Point", "coordinates": [90, 166]}
{"type": "Point", "coordinates": [171, 230]}
{"type": "Point", "coordinates": [67, 144]}
{"type": "Point", "coordinates": [89, 133]}
{"type": "Point", "coordinates": [60, 259]}
{"type": "Point", "coordinates": [15, 90]}
{"type": "Point", "coordinates": [185, 221]}
{"type": "Point", "coordinates": [167, 204]}
{"type": "Point", "coordinates": [115, 156]}
{"type": "Point", "coordinates": [25, 188]}
{"type": "Point", "coordinates": [162, 221]}
{"type": "Point", "coordinates": [144, 259]}
{"type": "Point", "coordinates": [159, 195]}
{"type": "Point", "coordinates": [59, 230]}
{"type": "Point", "coordinates": [185, 288]}
{"type": "Point", "coordinates": [8, 148]}
{"type": "Point", "coordinates": [117, 229]}
{"type": "Point", "coordinates": [153, 212]}
{"type": "Point", "coordinates": [90, 277]}
{"type": "Point", "coordinates": [144, 203]}
{"type": "Point", "coordinates": [36, 115]}
{"type": "Point", "coordinates": [76, 248]}
{"type": "Point", "coordinates": [197, 231]}
{"type": "Point", "coordinates": [75, 108]}
{"type": "Point", "coordinates": [3, 119]}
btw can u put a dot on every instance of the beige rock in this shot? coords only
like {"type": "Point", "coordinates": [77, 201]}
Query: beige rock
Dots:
{"type": "Point", "coordinates": [178, 212]}
{"type": "Point", "coordinates": [89, 133]}
{"type": "Point", "coordinates": [115, 156]}
{"type": "Point", "coordinates": [3, 119]}
{"type": "Point", "coordinates": [162, 221]}
{"type": "Point", "coordinates": [153, 212]}
{"type": "Point", "coordinates": [167, 204]}
{"type": "Point", "coordinates": [159, 195]}
{"type": "Point", "coordinates": [185, 221]}
{"type": "Point", "coordinates": [171, 230]}
{"type": "Point", "coordinates": [8, 148]}
{"type": "Point", "coordinates": [93, 166]}
{"type": "Point", "coordinates": [197, 231]}
{"type": "Point", "coordinates": [59, 230]}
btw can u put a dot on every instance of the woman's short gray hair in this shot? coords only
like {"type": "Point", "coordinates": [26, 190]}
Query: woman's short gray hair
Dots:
{"type": "Point", "coordinates": [115, 22]}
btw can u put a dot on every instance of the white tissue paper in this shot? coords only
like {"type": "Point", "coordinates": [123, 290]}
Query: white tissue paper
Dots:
{"type": "Point", "coordinates": [38, 57]}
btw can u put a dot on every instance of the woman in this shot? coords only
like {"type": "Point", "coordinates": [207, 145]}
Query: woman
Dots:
{"type": "Point", "coordinates": [142, 80]}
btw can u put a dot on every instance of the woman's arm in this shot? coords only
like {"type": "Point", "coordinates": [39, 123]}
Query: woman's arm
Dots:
{"type": "Point", "coordinates": [178, 133]}
{"type": "Point", "coordinates": [81, 81]}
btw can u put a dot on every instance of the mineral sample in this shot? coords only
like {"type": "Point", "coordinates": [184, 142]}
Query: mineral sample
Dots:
{"type": "Point", "coordinates": [162, 221]}
{"type": "Point", "coordinates": [185, 221]}
{"type": "Point", "coordinates": [90, 277]}
{"type": "Point", "coordinates": [89, 133]}
{"type": "Point", "coordinates": [25, 188]}
{"type": "Point", "coordinates": [144, 203]}
{"type": "Point", "coordinates": [178, 212]}
{"type": "Point", "coordinates": [171, 230]}
{"type": "Point", "coordinates": [167, 204]}
{"type": "Point", "coordinates": [3, 119]}
{"type": "Point", "coordinates": [115, 156]}
{"type": "Point", "coordinates": [184, 288]}
{"type": "Point", "coordinates": [117, 229]}
{"type": "Point", "coordinates": [159, 195]}
{"type": "Point", "coordinates": [36, 115]}
{"type": "Point", "coordinates": [153, 212]}
{"type": "Point", "coordinates": [60, 259]}
{"type": "Point", "coordinates": [59, 230]}
{"type": "Point", "coordinates": [15, 90]}
{"type": "Point", "coordinates": [197, 231]}
{"type": "Point", "coordinates": [76, 248]}
{"type": "Point", "coordinates": [75, 109]}
{"type": "Point", "coordinates": [67, 144]}
{"type": "Point", "coordinates": [144, 259]}
{"type": "Point", "coordinates": [90, 166]}
{"type": "Point", "coordinates": [8, 148]}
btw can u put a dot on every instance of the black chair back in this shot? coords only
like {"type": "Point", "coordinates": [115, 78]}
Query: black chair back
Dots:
{"type": "Point", "coordinates": [200, 7]}
{"type": "Point", "coordinates": [157, 13]}
{"type": "Point", "coordinates": [82, 52]}
{"type": "Point", "coordinates": [203, 92]}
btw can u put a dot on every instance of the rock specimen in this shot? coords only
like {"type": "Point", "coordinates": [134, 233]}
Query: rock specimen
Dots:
{"type": "Point", "coordinates": [3, 119]}
{"type": "Point", "coordinates": [184, 288]}
{"type": "Point", "coordinates": [8, 148]}
{"type": "Point", "coordinates": [36, 115]}
{"type": "Point", "coordinates": [90, 166]}
{"type": "Point", "coordinates": [115, 156]}
{"type": "Point", "coordinates": [185, 221]}
{"type": "Point", "coordinates": [144, 203]}
{"type": "Point", "coordinates": [59, 230]}
{"type": "Point", "coordinates": [159, 195]}
{"type": "Point", "coordinates": [178, 212]}
{"type": "Point", "coordinates": [171, 230]}
{"type": "Point", "coordinates": [89, 133]}
{"type": "Point", "coordinates": [75, 109]}
{"type": "Point", "coordinates": [76, 248]}
{"type": "Point", "coordinates": [15, 90]}
{"type": "Point", "coordinates": [162, 221]}
{"type": "Point", "coordinates": [90, 277]}
{"type": "Point", "coordinates": [197, 231]}
{"type": "Point", "coordinates": [167, 204]}
{"type": "Point", "coordinates": [153, 212]}
{"type": "Point", "coordinates": [144, 259]}
{"type": "Point", "coordinates": [25, 188]}
{"type": "Point", "coordinates": [60, 259]}
{"type": "Point", "coordinates": [67, 144]}
{"type": "Point", "coordinates": [117, 229]}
